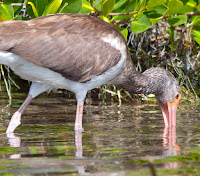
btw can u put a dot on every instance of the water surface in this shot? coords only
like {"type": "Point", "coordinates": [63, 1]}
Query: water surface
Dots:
{"type": "Point", "coordinates": [126, 140]}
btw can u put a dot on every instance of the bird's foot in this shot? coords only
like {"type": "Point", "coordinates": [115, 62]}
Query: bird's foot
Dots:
{"type": "Point", "coordinates": [14, 122]}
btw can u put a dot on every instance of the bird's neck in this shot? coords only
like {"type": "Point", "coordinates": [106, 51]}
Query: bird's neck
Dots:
{"type": "Point", "coordinates": [136, 82]}
{"type": "Point", "coordinates": [139, 83]}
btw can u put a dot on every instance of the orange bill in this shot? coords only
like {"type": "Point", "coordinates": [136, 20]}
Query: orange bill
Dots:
{"type": "Point", "coordinates": [169, 111]}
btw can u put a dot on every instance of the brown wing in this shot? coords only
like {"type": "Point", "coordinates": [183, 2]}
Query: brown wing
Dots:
{"type": "Point", "coordinates": [68, 44]}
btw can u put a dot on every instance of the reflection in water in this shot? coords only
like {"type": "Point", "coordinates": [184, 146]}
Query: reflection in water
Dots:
{"type": "Point", "coordinates": [15, 141]}
{"type": "Point", "coordinates": [79, 150]}
{"type": "Point", "coordinates": [169, 141]}
{"type": "Point", "coordinates": [115, 140]}
{"type": "Point", "coordinates": [169, 136]}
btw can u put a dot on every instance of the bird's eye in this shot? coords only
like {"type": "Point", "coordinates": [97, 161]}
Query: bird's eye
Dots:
{"type": "Point", "coordinates": [177, 96]}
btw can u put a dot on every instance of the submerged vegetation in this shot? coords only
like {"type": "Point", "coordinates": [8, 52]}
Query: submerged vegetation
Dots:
{"type": "Point", "coordinates": [163, 33]}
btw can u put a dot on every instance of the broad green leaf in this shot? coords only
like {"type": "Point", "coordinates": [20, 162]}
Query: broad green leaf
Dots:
{"type": "Point", "coordinates": [184, 1]}
{"type": "Point", "coordinates": [63, 7]}
{"type": "Point", "coordinates": [107, 6]}
{"type": "Point", "coordinates": [41, 5]}
{"type": "Point", "coordinates": [18, 17]}
{"type": "Point", "coordinates": [141, 25]}
{"type": "Point", "coordinates": [174, 6]}
{"type": "Point", "coordinates": [34, 9]}
{"type": "Point", "coordinates": [129, 6]}
{"type": "Point", "coordinates": [96, 2]}
{"type": "Point", "coordinates": [196, 35]}
{"type": "Point", "coordinates": [177, 20]}
{"type": "Point", "coordinates": [182, 6]}
{"type": "Point", "coordinates": [154, 20]}
{"type": "Point", "coordinates": [195, 21]}
{"type": "Point", "coordinates": [7, 12]}
{"type": "Point", "coordinates": [154, 3]}
{"type": "Point", "coordinates": [124, 33]}
{"type": "Point", "coordinates": [156, 12]}
{"type": "Point", "coordinates": [119, 4]}
{"type": "Point", "coordinates": [198, 7]}
{"type": "Point", "coordinates": [1, 20]}
{"type": "Point", "coordinates": [73, 6]}
{"type": "Point", "coordinates": [140, 5]}
{"type": "Point", "coordinates": [52, 7]}
{"type": "Point", "coordinates": [104, 18]}
{"type": "Point", "coordinates": [190, 6]}
{"type": "Point", "coordinates": [86, 7]}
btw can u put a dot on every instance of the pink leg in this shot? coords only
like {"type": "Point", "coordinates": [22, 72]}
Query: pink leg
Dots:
{"type": "Point", "coordinates": [15, 120]}
{"type": "Point", "coordinates": [78, 143]}
{"type": "Point", "coordinates": [79, 115]}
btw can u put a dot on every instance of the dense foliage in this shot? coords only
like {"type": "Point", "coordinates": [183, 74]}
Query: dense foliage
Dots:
{"type": "Point", "coordinates": [159, 32]}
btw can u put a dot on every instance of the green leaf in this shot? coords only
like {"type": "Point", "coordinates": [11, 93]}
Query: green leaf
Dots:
{"type": "Point", "coordinates": [190, 6]}
{"type": "Point", "coordinates": [154, 20]}
{"type": "Point", "coordinates": [185, 1]}
{"type": "Point", "coordinates": [141, 25]}
{"type": "Point", "coordinates": [1, 19]}
{"type": "Point", "coordinates": [119, 4]}
{"type": "Point", "coordinates": [18, 17]}
{"type": "Point", "coordinates": [129, 6]}
{"type": "Point", "coordinates": [154, 3]}
{"type": "Point", "coordinates": [41, 5]}
{"type": "Point", "coordinates": [97, 3]}
{"type": "Point", "coordinates": [156, 12]}
{"type": "Point", "coordinates": [53, 7]}
{"type": "Point", "coordinates": [86, 7]}
{"type": "Point", "coordinates": [34, 9]}
{"type": "Point", "coordinates": [7, 12]}
{"type": "Point", "coordinates": [63, 7]}
{"type": "Point", "coordinates": [198, 7]}
{"type": "Point", "coordinates": [124, 33]}
{"type": "Point", "coordinates": [72, 6]}
{"type": "Point", "coordinates": [174, 6]}
{"type": "Point", "coordinates": [177, 20]}
{"type": "Point", "coordinates": [195, 21]}
{"type": "Point", "coordinates": [107, 6]}
{"type": "Point", "coordinates": [196, 35]}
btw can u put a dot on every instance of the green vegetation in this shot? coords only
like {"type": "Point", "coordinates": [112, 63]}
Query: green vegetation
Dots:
{"type": "Point", "coordinates": [162, 33]}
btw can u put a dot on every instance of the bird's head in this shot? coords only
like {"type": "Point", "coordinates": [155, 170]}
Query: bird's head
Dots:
{"type": "Point", "coordinates": [168, 96]}
{"type": "Point", "coordinates": [168, 93]}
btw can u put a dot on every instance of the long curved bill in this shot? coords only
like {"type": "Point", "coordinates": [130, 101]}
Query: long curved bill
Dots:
{"type": "Point", "coordinates": [169, 113]}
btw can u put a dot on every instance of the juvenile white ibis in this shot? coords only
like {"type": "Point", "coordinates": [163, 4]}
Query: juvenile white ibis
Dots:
{"type": "Point", "coordinates": [78, 53]}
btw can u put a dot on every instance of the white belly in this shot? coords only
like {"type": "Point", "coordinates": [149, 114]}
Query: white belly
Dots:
{"type": "Point", "coordinates": [32, 72]}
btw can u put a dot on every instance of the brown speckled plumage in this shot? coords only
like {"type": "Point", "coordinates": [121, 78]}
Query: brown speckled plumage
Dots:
{"type": "Point", "coordinates": [68, 38]}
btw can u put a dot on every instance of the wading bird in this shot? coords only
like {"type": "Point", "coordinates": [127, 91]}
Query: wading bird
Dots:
{"type": "Point", "coordinates": [78, 53]}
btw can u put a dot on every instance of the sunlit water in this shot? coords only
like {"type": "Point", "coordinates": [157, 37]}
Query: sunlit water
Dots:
{"type": "Point", "coordinates": [125, 140]}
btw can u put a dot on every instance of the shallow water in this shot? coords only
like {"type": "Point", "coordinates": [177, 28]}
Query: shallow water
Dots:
{"type": "Point", "coordinates": [125, 140]}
